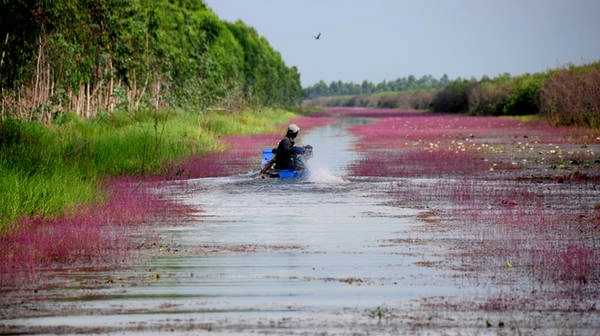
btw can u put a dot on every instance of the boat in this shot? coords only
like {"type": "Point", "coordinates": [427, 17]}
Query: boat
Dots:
{"type": "Point", "coordinates": [303, 153]}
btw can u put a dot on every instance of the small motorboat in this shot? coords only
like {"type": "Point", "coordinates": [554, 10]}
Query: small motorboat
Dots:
{"type": "Point", "coordinates": [303, 153]}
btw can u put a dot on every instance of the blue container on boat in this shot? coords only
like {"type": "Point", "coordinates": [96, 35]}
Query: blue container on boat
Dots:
{"type": "Point", "coordinates": [266, 157]}
{"type": "Point", "coordinates": [287, 173]}
{"type": "Point", "coordinates": [299, 150]}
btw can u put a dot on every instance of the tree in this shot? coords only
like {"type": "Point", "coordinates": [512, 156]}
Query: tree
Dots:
{"type": "Point", "coordinates": [89, 56]}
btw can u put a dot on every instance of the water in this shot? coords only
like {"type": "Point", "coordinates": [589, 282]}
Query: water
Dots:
{"type": "Point", "coordinates": [268, 249]}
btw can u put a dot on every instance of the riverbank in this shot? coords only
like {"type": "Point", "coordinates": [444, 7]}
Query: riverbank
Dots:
{"type": "Point", "coordinates": [73, 191]}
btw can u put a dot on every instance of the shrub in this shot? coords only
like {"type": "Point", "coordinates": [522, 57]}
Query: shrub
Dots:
{"type": "Point", "coordinates": [454, 97]}
{"type": "Point", "coordinates": [572, 96]}
{"type": "Point", "coordinates": [488, 98]}
{"type": "Point", "coordinates": [524, 97]}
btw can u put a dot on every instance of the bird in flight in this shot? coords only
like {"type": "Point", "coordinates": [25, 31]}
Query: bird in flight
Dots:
{"type": "Point", "coordinates": [318, 36]}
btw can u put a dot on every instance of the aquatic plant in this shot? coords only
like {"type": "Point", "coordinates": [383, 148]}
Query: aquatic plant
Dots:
{"type": "Point", "coordinates": [431, 163]}
{"type": "Point", "coordinates": [429, 144]}
{"type": "Point", "coordinates": [524, 190]}
{"type": "Point", "coordinates": [93, 234]}
{"type": "Point", "coordinates": [425, 128]}
{"type": "Point", "coordinates": [549, 235]}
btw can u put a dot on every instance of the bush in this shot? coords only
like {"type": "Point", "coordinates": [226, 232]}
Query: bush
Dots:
{"type": "Point", "coordinates": [524, 97]}
{"type": "Point", "coordinates": [571, 96]}
{"type": "Point", "coordinates": [454, 97]}
{"type": "Point", "coordinates": [568, 96]}
{"type": "Point", "coordinates": [506, 96]}
{"type": "Point", "coordinates": [488, 98]}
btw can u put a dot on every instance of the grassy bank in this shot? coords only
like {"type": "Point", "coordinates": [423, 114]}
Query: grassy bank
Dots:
{"type": "Point", "coordinates": [52, 170]}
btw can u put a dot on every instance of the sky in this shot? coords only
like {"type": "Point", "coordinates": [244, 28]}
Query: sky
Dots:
{"type": "Point", "coordinates": [378, 40]}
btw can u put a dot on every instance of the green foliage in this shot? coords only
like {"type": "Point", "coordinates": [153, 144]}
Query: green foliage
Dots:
{"type": "Point", "coordinates": [266, 79]}
{"type": "Point", "coordinates": [35, 178]}
{"type": "Point", "coordinates": [19, 32]}
{"type": "Point", "coordinates": [410, 83]}
{"type": "Point", "coordinates": [524, 98]}
{"type": "Point", "coordinates": [454, 97]}
{"type": "Point", "coordinates": [91, 56]}
{"type": "Point", "coordinates": [506, 95]}
{"type": "Point", "coordinates": [564, 96]}
{"type": "Point", "coordinates": [571, 96]}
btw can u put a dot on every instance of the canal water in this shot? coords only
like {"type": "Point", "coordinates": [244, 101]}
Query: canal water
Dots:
{"type": "Point", "coordinates": [284, 256]}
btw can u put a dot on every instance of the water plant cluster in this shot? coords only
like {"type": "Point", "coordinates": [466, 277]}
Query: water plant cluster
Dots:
{"type": "Point", "coordinates": [523, 195]}
{"type": "Point", "coordinates": [95, 235]}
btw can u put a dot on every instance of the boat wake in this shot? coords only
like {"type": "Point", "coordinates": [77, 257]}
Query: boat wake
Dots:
{"type": "Point", "coordinates": [322, 174]}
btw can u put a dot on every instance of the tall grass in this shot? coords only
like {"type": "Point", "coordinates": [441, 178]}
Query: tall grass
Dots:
{"type": "Point", "coordinates": [257, 121]}
{"type": "Point", "coordinates": [47, 170]}
{"type": "Point", "coordinates": [42, 193]}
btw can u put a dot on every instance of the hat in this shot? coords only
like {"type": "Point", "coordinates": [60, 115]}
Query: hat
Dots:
{"type": "Point", "coordinates": [293, 128]}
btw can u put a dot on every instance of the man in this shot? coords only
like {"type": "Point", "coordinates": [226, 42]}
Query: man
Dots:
{"type": "Point", "coordinates": [285, 153]}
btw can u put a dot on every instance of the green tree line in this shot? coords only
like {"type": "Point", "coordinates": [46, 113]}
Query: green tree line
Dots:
{"type": "Point", "coordinates": [90, 56]}
{"type": "Point", "coordinates": [339, 88]}
{"type": "Point", "coordinates": [565, 96]}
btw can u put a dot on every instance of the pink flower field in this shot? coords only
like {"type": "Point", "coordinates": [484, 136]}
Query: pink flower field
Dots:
{"type": "Point", "coordinates": [523, 196]}
{"type": "Point", "coordinates": [95, 235]}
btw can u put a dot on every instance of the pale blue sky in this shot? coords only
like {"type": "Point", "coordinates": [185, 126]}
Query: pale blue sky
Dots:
{"type": "Point", "coordinates": [379, 40]}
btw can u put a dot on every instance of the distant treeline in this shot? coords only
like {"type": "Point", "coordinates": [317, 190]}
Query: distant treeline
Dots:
{"type": "Point", "coordinates": [90, 56]}
{"type": "Point", "coordinates": [565, 96]}
{"type": "Point", "coordinates": [339, 88]}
